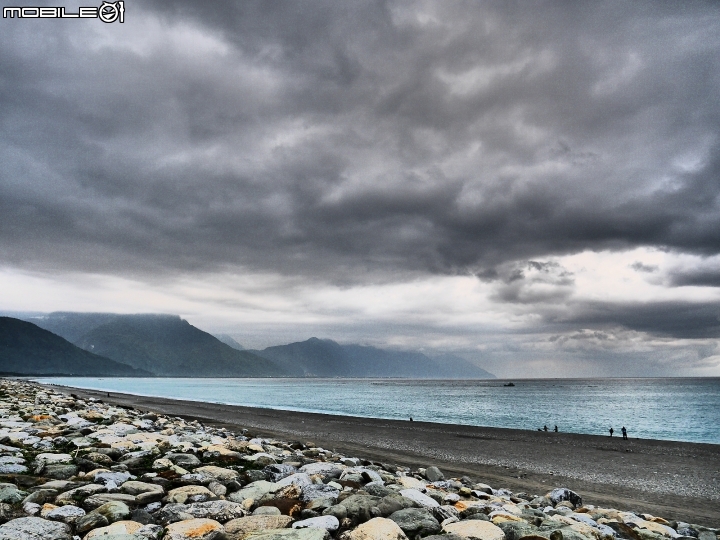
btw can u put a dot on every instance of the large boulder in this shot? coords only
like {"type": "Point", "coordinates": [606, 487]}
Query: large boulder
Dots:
{"type": "Point", "coordinates": [378, 529]}
{"type": "Point", "coordinates": [416, 521]}
{"type": "Point", "coordinates": [193, 529]}
{"type": "Point", "coordinates": [34, 528]}
{"type": "Point", "coordinates": [239, 529]}
{"type": "Point", "coordinates": [475, 529]}
{"type": "Point", "coordinates": [291, 534]}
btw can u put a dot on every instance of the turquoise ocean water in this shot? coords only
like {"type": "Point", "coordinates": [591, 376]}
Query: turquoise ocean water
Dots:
{"type": "Point", "coordinates": [671, 409]}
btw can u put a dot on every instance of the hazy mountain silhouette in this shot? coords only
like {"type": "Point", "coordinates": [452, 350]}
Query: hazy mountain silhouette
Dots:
{"type": "Point", "coordinates": [27, 349]}
{"type": "Point", "coordinates": [326, 358]}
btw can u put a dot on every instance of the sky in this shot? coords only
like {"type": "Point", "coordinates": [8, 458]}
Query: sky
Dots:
{"type": "Point", "coordinates": [534, 186]}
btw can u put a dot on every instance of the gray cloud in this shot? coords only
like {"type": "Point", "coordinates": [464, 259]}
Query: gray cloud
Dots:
{"type": "Point", "coordinates": [367, 142]}
{"type": "Point", "coordinates": [347, 142]}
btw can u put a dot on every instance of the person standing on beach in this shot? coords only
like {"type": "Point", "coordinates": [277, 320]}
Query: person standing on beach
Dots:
{"type": "Point", "coordinates": [611, 431]}
{"type": "Point", "coordinates": [624, 432]}
{"type": "Point", "coordinates": [556, 429]}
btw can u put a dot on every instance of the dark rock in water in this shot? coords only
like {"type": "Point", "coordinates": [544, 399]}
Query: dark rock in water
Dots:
{"type": "Point", "coordinates": [416, 521]}
{"type": "Point", "coordinates": [564, 494]}
{"type": "Point", "coordinates": [434, 474]}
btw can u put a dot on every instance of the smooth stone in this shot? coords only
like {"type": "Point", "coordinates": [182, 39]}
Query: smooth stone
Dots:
{"type": "Point", "coordinates": [238, 529]}
{"type": "Point", "coordinates": [193, 529]}
{"type": "Point", "coordinates": [67, 514]}
{"type": "Point", "coordinates": [319, 491]}
{"type": "Point", "coordinates": [13, 468]}
{"type": "Point", "coordinates": [329, 523]}
{"type": "Point", "coordinates": [326, 470]}
{"type": "Point", "coordinates": [221, 511]}
{"type": "Point", "coordinates": [290, 534]}
{"type": "Point", "coordinates": [34, 528]}
{"type": "Point", "coordinates": [190, 494]}
{"type": "Point", "coordinates": [359, 507]}
{"type": "Point", "coordinates": [416, 521]}
{"type": "Point", "coordinates": [101, 499]}
{"type": "Point", "coordinates": [133, 487]}
{"type": "Point", "coordinates": [48, 458]}
{"type": "Point", "coordinates": [378, 529]}
{"type": "Point", "coordinates": [117, 528]}
{"type": "Point", "coordinates": [220, 474]}
{"type": "Point", "coordinates": [183, 460]}
{"type": "Point", "coordinates": [254, 490]}
{"type": "Point", "coordinates": [420, 498]}
{"type": "Point", "coordinates": [433, 474]}
{"type": "Point", "coordinates": [297, 479]}
{"type": "Point", "coordinates": [475, 530]}
{"type": "Point", "coordinates": [59, 471]}
{"type": "Point", "coordinates": [9, 493]}
{"type": "Point", "coordinates": [266, 511]}
{"type": "Point", "coordinates": [411, 483]}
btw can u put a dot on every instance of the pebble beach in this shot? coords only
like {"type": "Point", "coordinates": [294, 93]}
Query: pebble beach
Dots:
{"type": "Point", "coordinates": [74, 465]}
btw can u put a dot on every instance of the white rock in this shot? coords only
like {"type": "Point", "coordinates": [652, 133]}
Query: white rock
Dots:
{"type": "Point", "coordinates": [329, 523]}
{"type": "Point", "coordinates": [420, 498]}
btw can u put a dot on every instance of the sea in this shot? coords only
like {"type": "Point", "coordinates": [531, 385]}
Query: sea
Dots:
{"type": "Point", "coordinates": [678, 409]}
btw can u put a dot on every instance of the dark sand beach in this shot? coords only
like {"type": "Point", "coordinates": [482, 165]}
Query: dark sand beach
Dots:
{"type": "Point", "coordinates": [674, 480]}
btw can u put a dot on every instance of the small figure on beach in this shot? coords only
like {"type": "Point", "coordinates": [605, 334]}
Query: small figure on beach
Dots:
{"type": "Point", "coordinates": [611, 431]}
{"type": "Point", "coordinates": [624, 432]}
{"type": "Point", "coordinates": [545, 428]}
{"type": "Point", "coordinates": [411, 419]}
{"type": "Point", "coordinates": [556, 429]}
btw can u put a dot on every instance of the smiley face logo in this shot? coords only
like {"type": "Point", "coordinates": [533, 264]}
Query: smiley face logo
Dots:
{"type": "Point", "coordinates": [111, 11]}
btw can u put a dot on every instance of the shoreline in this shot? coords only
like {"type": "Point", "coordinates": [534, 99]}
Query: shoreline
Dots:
{"type": "Point", "coordinates": [679, 480]}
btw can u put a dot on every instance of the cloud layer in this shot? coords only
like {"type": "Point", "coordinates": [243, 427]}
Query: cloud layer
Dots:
{"type": "Point", "coordinates": [347, 146]}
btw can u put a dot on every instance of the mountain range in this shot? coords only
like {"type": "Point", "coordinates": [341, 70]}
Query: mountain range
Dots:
{"type": "Point", "coordinates": [166, 345]}
{"type": "Point", "coordinates": [26, 349]}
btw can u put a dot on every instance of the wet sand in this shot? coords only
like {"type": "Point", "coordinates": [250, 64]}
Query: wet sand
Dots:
{"type": "Point", "coordinates": [670, 479]}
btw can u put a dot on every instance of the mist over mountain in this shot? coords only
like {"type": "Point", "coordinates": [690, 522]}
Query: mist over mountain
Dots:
{"type": "Point", "coordinates": [26, 349]}
{"type": "Point", "coordinates": [229, 341]}
{"type": "Point", "coordinates": [326, 358]}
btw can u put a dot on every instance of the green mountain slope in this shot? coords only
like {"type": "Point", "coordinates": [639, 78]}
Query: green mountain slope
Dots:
{"type": "Point", "coordinates": [326, 358]}
{"type": "Point", "coordinates": [172, 347]}
{"type": "Point", "coordinates": [26, 349]}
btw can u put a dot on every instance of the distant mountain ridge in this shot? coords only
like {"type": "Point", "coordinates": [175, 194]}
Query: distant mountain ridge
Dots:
{"type": "Point", "coordinates": [164, 344]}
{"type": "Point", "coordinates": [326, 358]}
{"type": "Point", "coordinates": [26, 349]}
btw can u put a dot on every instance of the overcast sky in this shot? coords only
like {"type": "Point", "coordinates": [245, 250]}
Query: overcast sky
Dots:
{"type": "Point", "coordinates": [532, 185]}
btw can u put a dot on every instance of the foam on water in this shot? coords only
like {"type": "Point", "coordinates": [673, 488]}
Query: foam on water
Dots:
{"type": "Point", "coordinates": [670, 409]}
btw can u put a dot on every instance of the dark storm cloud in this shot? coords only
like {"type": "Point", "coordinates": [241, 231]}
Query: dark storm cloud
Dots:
{"type": "Point", "coordinates": [356, 141]}
{"type": "Point", "coordinates": [674, 319]}
{"type": "Point", "coordinates": [698, 277]}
